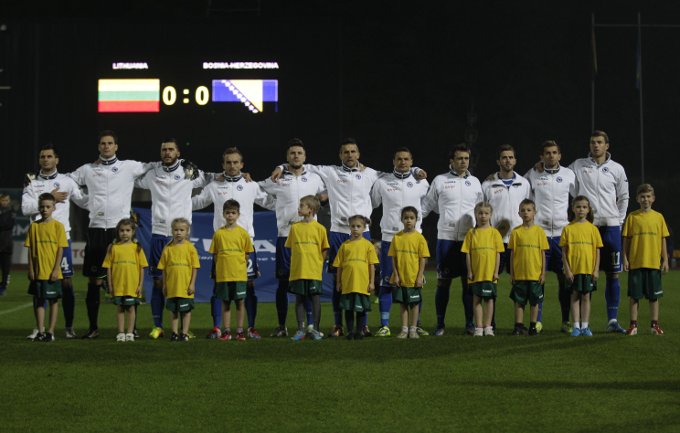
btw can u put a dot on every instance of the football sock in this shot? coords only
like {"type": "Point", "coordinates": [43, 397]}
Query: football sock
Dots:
{"type": "Point", "coordinates": [540, 313]}
{"type": "Point", "coordinates": [216, 311]}
{"type": "Point", "coordinates": [420, 309]}
{"type": "Point", "coordinates": [239, 330]}
{"type": "Point", "coordinates": [316, 310]}
{"type": "Point", "coordinates": [564, 296]}
{"type": "Point", "coordinates": [584, 325]}
{"type": "Point", "coordinates": [441, 300]}
{"type": "Point", "coordinates": [337, 312]}
{"type": "Point", "coordinates": [282, 301]}
{"type": "Point", "coordinates": [362, 320]}
{"type": "Point", "coordinates": [467, 302]}
{"type": "Point", "coordinates": [654, 323]}
{"type": "Point", "coordinates": [404, 329]}
{"type": "Point", "coordinates": [577, 325]}
{"type": "Point", "coordinates": [251, 306]}
{"type": "Point", "coordinates": [68, 303]}
{"type": "Point", "coordinates": [532, 325]}
{"type": "Point", "coordinates": [300, 312]}
{"type": "Point", "coordinates": [157, 304]}
{"type": "Point", "coordinates": [385, 299]}
{"type": "Point", "coordinates": [611, 295]}
{"type": "Point", "coordinates": [92, 302]}
{"type": "Point", "coordinates": [309, 308]}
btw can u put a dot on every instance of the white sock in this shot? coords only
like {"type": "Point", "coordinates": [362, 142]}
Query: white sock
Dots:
{"type": "Point", "coordinates": [577, 325]}
{"type": "Point", "coordinates": [584, 324]}
{"type": "Point", "coordinates": [404, 329]}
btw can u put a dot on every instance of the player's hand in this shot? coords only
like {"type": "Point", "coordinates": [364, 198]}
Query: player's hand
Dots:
{"type": "Point", "coordinates": [31, 275]}
{"type": "Point", "coordinates": [495, 276]}
{"type": "Point", "coordinates": [28, 178]}
{"type": "Point", "coordinates": [596, 275]}
{"type": "Point", "coordinates": [190, 169]}
{"type": "Point", "coordinates": [138, 292]}
{"type": "Point", "coordinates": [247, 177]}
{"type": "Point", "coordinates": [276, 174]}
{"type": "Point", "coordinates": [539, 167]}
{"type": "Point", "coordinates": [395, 279]}
{"type": "Point", "coordinates": [569, 276]}
{"type": "Point", "coordinates": [503, 226]}
{"type": "Point", "coordinates": [54, 276]}
{"type": "Point", "coordinates": [191, 290]}
{"type": "Point", "coordinates": [470, 276]}
{"type": "Point", "coordinates": [420, 175]}
{"type": "Point", "coordinates": [59, 196]}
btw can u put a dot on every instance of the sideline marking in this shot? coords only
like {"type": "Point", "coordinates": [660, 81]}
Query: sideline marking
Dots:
{"type": "Point", "coordinates": [12, 310]}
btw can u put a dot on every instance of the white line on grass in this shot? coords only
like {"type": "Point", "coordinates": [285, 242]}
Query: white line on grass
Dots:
{"type": "Point", "coordinates": [12, 310]}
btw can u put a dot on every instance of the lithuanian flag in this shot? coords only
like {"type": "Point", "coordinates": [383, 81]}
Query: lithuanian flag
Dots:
{"type": "Point", "coordinates": [129, 95]}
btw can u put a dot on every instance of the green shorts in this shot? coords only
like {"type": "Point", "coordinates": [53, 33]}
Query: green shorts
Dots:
{"type": "Point", "coordinates": [583, 283]}
{"type": "Point", "coordinates": [484, 289]}
{"type": "Point", "coordinates": [179, 305]}
{"type": "Point", "coordinates": [305, 287]}
{"type": "Point", "coordinates": [125, 301]}
{"type": "Point", "coordinates": [355, 302]}
{"type": "Point", "coordinates": [645, 283]}
{"type": "Point", "coordinates": [406, 295]}
{"type": "Point", "coordinates": [527, 291]}
{"type": "Point", "coordinates": [229, 291]}
{"type": "Point", "coordinates": [46, 289]}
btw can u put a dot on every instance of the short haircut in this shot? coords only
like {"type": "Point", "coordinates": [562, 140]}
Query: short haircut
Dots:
{"type": "Point", "coordinates": [483, 205]}
{"type": "Point", "coordinates": [365, 220]}
{"type": "Point", "coordinates": [181, 221]}
{"type": "Point", "coordinates": [170, 140]}
{"type": "Point", "coordinates": [570, 212]}
{"type": "Point", "coordinates": [461, 147]}
{"type": "Point", "coordinates": [46, 196]}
{"type": "Point", "coordinates": [600, 133]}
{"type": "Point", "coordinates": [312, 201]}
{"type": "Point", "coordinates": [4, 194]}
{"type": "Point", "coordinates": [644, 188]}
{"type": "Point", "coordinates": [403, 149]}
{"type": "Point", "coordinates": [108, 132]}
{"type": "Point", "coordinates": [50, 146]}
{"type": "Point", "coordinates": [294, 142]}
{"type": "Point", "coordinates": [527, 201]}
{"type": "Point", "coordinates": [409, 209]}
{"type": "Point", "coordinates": [550, 143]}
{"type": "Point", "coordinates": [505, 148]}
{"type": "Point", "coordinates": [348, 140]}
{"type": "Point", "coordinates": [232, 150]}
{"type": "Point", "coordinates": [231, 204]}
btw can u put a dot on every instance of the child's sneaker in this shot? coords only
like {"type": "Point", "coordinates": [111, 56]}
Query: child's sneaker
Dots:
{"type": "Point", "coordinates": [366, 332]}
{"type": "Point", "coordinates": [316, 335]}
{"type": "Point", "coordinates": [413, 334]}
{"type": "Point", "coordinates": [48, 337]}
{"type": "Point", "coordinates": [421, 331]}
{"type": "Point", "coordinates": [120, 336]}
{"type": "Point", "coordinates": [70, 333]}
{"type": "Point", "coordinates": [174, 337]}
{"type": "Point", "coordinates": [280, 331]}
{"type": "Point", "coordinates": [533, 332]}
{"type": "Point", "coordinates": [215, 333]}
{"type": "Point", "coordinates": [225, 335]}
{"type": "Point", "coordinates": [33, 335]}
{"type": "Point", "coordinates": [656, 330]}
{"type": "Point", "coordinates": [565, 328]}
{"type": "Point", "coordinates": [575, 332]}
{"type": "Point", "coordinates": [336, 331]}
{"type": "Point", "coordinates": [402, 335]}
{"type": "Point", "coordinates": [130, 336]}
{"type": "Point", "coordinates": [586, 332]}
{"type": "Point", "coordinates": [632, 330]}
{"type": "Point", "coordinates": [240, 336]}
{"type": "Point", "coordinates": [488, 332]}
{"type": "Point", "coordinates": [184, 338]}
{"type": "Point", "coordinates": [253, 334]}
{"type": "Point", "coordinates": [384, 331]}
{"type": "Point", "coordinates": [539, 327]}
{"type": "Point", "coordinates": [439, 332]}
{"type": "Point", "coordinates": [479, 332]}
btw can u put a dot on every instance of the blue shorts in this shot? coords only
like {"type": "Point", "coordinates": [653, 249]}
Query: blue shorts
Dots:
{"type": "Point", "coordinates": [335, 239]}
{"type": "Point", "coordinates": [553, 256]}
{"type": "Point", "coordinates": [158, 242]}
{"type": "Point", "coordinates": [450, 260]}
{"type": "Point", "coordinates": [385, 264]}
{"type": "Point", "coordinates": [253, 269]}
{"type": "Point", "coordinates": [282, 259]}
{"type": "Point", "coordinates": [67, 261]}
{"type": "Point", "coordinates": [610, 255]}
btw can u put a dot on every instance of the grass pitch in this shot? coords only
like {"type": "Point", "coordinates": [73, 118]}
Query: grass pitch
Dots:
{"type": "Point", "coordinates": [551, 383]}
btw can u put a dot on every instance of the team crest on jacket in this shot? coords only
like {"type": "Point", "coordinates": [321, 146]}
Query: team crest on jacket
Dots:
{"type": "Point", "coordinates": [409, 184]}
{"type": "Point", "coordinates": [56, 185]}
{"type": "Point", "coordinates": [304, 179]}
{"type": "Point", "coordinates": [468, 183]}
{"type": "Point", "coordinates": [358, 176]}
{"type": "Point", "coordinates": [177, 177]}
{"type": "Point", "coordinates": [558, 179]}
{"type": "Point", "coordinates": [605, 169]}
{"type": "Point", "coordinates": [239, 187]}
{"type": "Point", "coordinates": [114, 169]}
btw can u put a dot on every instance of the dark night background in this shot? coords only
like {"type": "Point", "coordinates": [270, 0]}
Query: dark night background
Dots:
{"type": "Point", "coordinates": [425, 75]}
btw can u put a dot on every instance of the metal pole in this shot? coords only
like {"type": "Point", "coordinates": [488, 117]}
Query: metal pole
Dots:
{"type": "Point", "coordinates": [639, 72]}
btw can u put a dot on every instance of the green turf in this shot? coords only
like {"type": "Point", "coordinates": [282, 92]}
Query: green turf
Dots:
{"type": "Point", "coordinates": [454, 383]}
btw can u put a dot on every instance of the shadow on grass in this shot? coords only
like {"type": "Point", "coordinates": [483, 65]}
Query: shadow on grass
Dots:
{"type": "Point", "coordinates": [540, 385]}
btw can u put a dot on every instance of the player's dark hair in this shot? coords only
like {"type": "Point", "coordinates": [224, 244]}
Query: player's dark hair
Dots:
{"type": "Point", "coordinates": [504, 148]}
{"type": "Point", "coordinates": [403, 149]}
{"type": "Point", "coordinates": [460, 147]}
{"type": "Point", "coordinates": [572, 215]}
{"type": "Point", "coordinates": [600, 133]}
{"type": "Point", "coordinates": [527, 201]}
{"type": "Point", "coordinates": [294, 142]}
{"type": "Point", "coordinates": [550, 143]}
{"type": "Point", "coordinates": [411, 209]}
{"type": "Point", "coordinates": [232, 150]}
{"type": "Point", "coordinates": [231, 204]}
{"type": "Point", "coordinates": [46, 196]}
{"type": "Point", "coordinates": [171, 140]}
{"type": "Point", "coordinates": [361, 218]}
{"type": "Point", "coordinates": [108, 133]}
{"type": "Point", "coordinates": [4, 194]}
{"type": "Point", "coordinates": [50, 146]}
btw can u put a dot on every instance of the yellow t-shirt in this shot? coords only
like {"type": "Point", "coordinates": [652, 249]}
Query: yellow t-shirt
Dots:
{"type": "Point", "coordinates": [582, 241]}
{"type": "Point", "coordinates": [126, 265]}
{"type": "Point", "coordinates": [230, 246]}
{"type": "Point", "coordinates": [45, 239]}
{"type": "Point", "coordinates": [353, 258]}
{"type": "Point", "coordinates": [409, 248]}
{"type": "Point", "coordinates": [527, 245]}
{"type": "Point", "coordinates": [646, 231]}
{"type": "Point", "coordinates": [482, 244]}
{"type": "Point", "coordinates": [307, 241]}
{"type": "Point", "coordinates": [178, 262]}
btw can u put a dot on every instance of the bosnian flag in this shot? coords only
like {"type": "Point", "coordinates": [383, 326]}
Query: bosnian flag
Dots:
{"type": "Point", "coordinates": [129, 95]}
